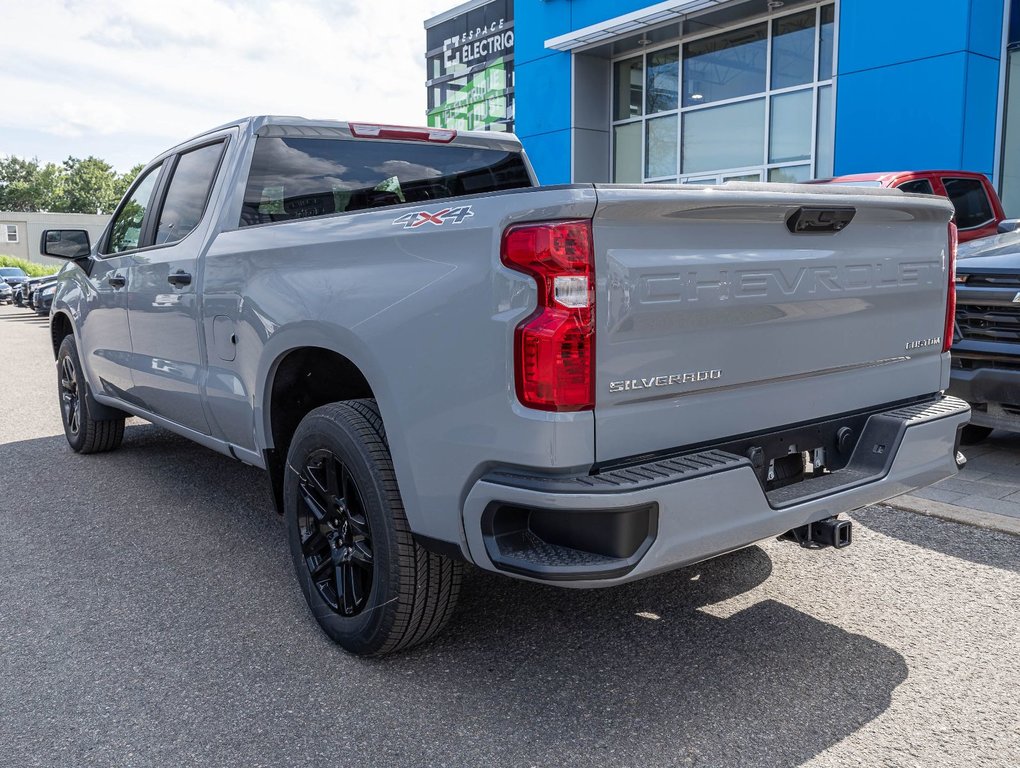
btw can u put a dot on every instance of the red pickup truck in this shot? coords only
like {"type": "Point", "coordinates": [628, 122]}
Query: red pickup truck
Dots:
{"type": "Point", "coordinates": [978, 210]}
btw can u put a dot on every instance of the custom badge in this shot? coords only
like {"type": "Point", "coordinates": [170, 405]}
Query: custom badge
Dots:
{"type": "Point", "coordinates": [417, 219]}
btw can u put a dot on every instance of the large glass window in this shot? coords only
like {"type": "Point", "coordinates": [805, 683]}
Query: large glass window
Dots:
{"type": "Point", "coordinates": [628, 83]}
{"type": "Point", "coordinates": [126, 231]}
{"type": "Point", "coordinates": [750, 103]}
{"type": "Point", "coordinates": [726, 136]}
{"type": "Point", "coordinates": [790, 129]}
{"type": "Point", "coordinates": [189, 189]}
{"type": "Point", "coordinates": [793, 50]}
{"type": "Point", "coordinates": [663, 80]}
{"type": "Point", "coordinates": [725, 66]}
{"type": "Point", "coordinates": [660, 143]}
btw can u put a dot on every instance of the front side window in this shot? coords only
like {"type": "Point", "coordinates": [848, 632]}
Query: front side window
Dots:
{"type": "Point", "coordinates": [299, 178]}
{"type": "Point", "coordinates": [970, 201]}
{"type": "Point", "coordinates": [126, 231]}
{"type": "Point", "coordinates": [188, 192]}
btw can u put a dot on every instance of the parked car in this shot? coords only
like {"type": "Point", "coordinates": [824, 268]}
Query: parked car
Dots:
{"type": "Point", "coordinates": [6, 293]}
{"type": "Point", "coordinates": [23, 293]}
{"type": "Point", "coordinates": [978, 209]}
{"type": "Point", "coordinates": [13, 276]}
{"type": "Point", "coordinates": [438, 362]}
{"type": "Point", "coordinates": [42, 296]}
{"type": "Point", "coordinates": [986, 351]}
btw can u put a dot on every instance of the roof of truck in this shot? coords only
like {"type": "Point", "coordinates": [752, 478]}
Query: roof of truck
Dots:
{"type": "Point", "coordinates": [325, 128]}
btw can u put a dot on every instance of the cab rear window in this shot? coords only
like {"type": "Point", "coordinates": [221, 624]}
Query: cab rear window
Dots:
{"type": "Point", "coordinates": [298, 178]}
{"type": "Point", "coordinates": [973, 209]}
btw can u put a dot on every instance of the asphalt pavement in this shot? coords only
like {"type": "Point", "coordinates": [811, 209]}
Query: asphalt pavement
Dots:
{"type": "Point", "coordinates": [149, 617]}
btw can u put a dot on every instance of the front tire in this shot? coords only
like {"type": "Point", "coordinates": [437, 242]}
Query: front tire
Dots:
{"type": "Point", "coordinates": [85, 433]}
{"type": "Point", "coordinates": [371, 587]}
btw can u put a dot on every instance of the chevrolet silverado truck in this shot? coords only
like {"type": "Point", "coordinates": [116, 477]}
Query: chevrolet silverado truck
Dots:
{"type": "Point", "coordinates": [986, 350]}
{"type": "Point", "coordinates": [439, 362]}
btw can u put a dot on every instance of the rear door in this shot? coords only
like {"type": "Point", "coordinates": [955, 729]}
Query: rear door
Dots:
{"type": "Point", "coordinates": [163, 309]}
{"type": "Point", "coordinates": [715, 320]}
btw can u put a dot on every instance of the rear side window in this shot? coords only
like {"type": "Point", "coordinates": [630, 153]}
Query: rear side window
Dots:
{"type": "Point", "coordinates": [188, 192]}
{"type": "Point", "coordinates": [297, 178]}
{"type": "Point", "coordinates": [917, 186]}
{"type": "Point", "coordinates": [973, 209]}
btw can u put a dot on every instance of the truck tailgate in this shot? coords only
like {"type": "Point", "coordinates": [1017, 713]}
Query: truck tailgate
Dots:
{"type": "Point", "coordinates": [715, 320]}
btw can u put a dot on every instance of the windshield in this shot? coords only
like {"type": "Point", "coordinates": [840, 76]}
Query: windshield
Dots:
{"type": "Point", "coordinates": [12, 272]}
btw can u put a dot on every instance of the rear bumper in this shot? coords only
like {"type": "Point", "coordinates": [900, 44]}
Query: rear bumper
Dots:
{"type": "Point", "coordinates": [587, 531]}
{"type": "Point", "coordinates": [988, 389]}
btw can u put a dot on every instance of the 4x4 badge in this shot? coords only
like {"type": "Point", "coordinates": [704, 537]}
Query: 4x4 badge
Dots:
{"type": "Point", "coordinates": [415, 219]}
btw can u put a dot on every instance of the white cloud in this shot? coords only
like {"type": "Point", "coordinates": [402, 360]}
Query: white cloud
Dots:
{"type": "Point", "coordinates": [143, 75]}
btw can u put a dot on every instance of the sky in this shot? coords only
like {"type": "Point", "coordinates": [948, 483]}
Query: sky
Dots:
{"type": "Point", "coordinates": [126, 80]}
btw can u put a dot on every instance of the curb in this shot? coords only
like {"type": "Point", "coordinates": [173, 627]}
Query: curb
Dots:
{"type": "Point", "coordinates": [965, 515]}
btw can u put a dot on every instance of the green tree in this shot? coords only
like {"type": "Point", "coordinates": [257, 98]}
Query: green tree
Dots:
{"type": "Point", "coordinates": [125, 180]}
{"type": "Point", "coordinates": [90, 186]}
{"type": "Point", "coordinates": [19, 184]}
{"type": "Point", "coordinates": [48, 188]}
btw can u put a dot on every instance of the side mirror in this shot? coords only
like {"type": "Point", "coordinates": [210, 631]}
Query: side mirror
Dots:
{"type": "Point", "coordinates": [1008, 225]}
{"type": "Point", "coordinates": [65, 243]}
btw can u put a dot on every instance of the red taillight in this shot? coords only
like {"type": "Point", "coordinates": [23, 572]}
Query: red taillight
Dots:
{"type": "Point", "coordinates": [401, 133]}
{"type": "Point", "coordinates": [554, 348]}
{"type": "Point", "coordinates": [947, 337]}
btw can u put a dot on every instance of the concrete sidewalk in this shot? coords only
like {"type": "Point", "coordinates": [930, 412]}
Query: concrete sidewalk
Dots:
{"type": "Point", "coordinates": [986, 492]}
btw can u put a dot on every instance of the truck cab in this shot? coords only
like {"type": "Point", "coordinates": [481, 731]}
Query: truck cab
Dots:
{"type": "Point", "coordinates": [978, 209]}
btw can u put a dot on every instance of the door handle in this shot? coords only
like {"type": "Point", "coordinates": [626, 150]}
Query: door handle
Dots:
{"type": "Point", "coordinates": [179, 278]}
{"type": "Point", "coordinates": [117, 281]}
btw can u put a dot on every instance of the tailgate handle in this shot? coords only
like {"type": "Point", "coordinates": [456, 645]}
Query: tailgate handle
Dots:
{"type": "Point", "coordinates": [810, 219]}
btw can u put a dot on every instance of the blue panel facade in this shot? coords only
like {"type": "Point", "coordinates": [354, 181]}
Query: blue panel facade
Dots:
{"type": "Point", "coordinates": [917, 89]}
{"type": "Point", "coordinates": [917, 82]}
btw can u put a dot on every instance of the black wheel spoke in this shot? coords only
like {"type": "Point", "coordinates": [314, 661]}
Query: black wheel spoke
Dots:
{"type": "Point", "coordinates": [335, 534]}
{"type": "Point", "coordinates": [314, 504]}
{"type": "Point", "coordinates": [312, 539]}
{"type": "Point", "coordinates": [361, 554]}
{"type": "Point", "coordinates": [332, 481]}
{"type": "Point", "coordinates": [345, 584]}
{"type": "Point", "coordinates": [317, 566]}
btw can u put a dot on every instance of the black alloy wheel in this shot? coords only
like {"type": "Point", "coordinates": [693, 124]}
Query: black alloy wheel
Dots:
{"type": "Point", "coordinates": [70, 402]}
{"type": "Point", "coordinates": [88, 426]}
{"type": "Point", "coordinates": [372, 588]}
{"type": "Point", "coordinates": [336, 539]}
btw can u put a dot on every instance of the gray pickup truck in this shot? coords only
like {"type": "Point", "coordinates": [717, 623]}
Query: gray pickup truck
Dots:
{"type": "Point", "coordinates": [438, 361]}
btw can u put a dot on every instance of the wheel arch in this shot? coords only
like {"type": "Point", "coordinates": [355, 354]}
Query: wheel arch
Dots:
{"type": "Point", "coordinates": [302, 368]}
{"type": "Point", "coordinates": [61, 326]}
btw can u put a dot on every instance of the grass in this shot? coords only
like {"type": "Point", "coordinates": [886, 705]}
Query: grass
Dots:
{"type": "Point", "coordinates": [31, 268]}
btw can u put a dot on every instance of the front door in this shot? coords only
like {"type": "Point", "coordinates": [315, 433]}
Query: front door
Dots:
{"type": "Point", "coordinates": [104, 336]}
{"type": "Point", "coordinates": [163, 289]}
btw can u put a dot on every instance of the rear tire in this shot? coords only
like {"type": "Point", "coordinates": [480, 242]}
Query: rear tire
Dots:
{"type": "Point", "coordinates": [373, 589]}
{"type": "Point", "coordinates": [84, 432]}
{"type": "Point", "coordinates": [973, 434]}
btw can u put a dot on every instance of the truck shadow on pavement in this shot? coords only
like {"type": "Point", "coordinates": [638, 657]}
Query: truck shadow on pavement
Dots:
{"type": "Point", "coordinates": [177, 603]}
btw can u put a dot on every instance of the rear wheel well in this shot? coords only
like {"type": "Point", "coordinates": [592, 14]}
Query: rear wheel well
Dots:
{"type": "Point", "coordinates": [60, 327]}
{"type": "Point", "coordinates": [305, 379]}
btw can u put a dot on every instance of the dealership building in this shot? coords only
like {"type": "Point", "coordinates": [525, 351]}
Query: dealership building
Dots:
{"type": "Point", "coordinates": [706, 91]}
